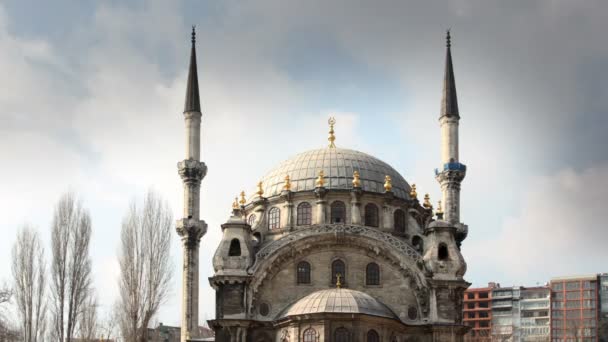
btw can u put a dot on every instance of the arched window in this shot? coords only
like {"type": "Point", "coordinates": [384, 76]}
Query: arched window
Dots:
{"type": "Point", "coordinates": [310, 335]}
{"type": "Point", "coordinates": [417, 243]}
{"type": "Point", "coordinates": [341, 335]}
{"type": "Point", "coordinates": [399, 219]}
{"type": "Point", "coordinates": [235, 248]}
{"type": "Point", "coordinates": [304, 213]}
{"type": "Point", "coordinates": [251, 220]}
{"type": "Point", "coordinates": [274, 218]}
{"type": "Point", "coordinates": [338, 267]}
{"type": "Point", "coordinates": [371, 215]}
{"type": "Point", "coordinates": [372, 274]}
{"type": "Point", "coordinates": [337, 212]}
{"type": "Point", "coordinates": [303, 272]}
{"type": "Point", "coordinates": [372, 336]}
{"type": "Point", "coordinates": [442, 253]}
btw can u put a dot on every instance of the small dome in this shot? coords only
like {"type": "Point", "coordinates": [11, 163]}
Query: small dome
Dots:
{"type": "Point", "coordinates": [338, 165]}
{"type": "Point", "coordinates": [338, 301]}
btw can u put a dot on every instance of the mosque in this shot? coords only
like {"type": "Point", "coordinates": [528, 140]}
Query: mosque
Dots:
{"type": "Point", "coordinates": [335, 245]}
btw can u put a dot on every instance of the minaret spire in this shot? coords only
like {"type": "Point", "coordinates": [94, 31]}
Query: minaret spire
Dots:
{"type": "Point", "coordinates": [193, 102]}
{"type": "Point", "coordinates": [452, 172]}
{"type": "Point", "coordinates": [191, 228]}
{"type": "Point", "coordinates": [449, 100]}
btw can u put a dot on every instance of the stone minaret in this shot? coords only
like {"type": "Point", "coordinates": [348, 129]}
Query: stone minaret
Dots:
{"type": "Point", "coordinates": [191, 228]}
{"type": "Point", "coordinates": [452, 172]}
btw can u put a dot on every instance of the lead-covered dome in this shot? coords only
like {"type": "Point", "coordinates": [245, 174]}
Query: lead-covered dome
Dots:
{"type": "Point", "coordinates": [338, 165]}
{"type": "Point", "coordinates": [338, 301]}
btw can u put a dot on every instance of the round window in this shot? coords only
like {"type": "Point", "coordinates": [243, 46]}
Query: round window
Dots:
{"type": "Point", "coordinates": [264, 309]}
{"type": "Point", "coordinates": [412, 313]}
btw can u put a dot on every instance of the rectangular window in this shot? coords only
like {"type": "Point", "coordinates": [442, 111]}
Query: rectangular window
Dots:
{"type": "Point", "coordinates": [589, 303]}
{"type": "Point", "coordinates": [470, 306]}
{"type": "Point", "coordinates": [572, 285]}
{"type": "Point", "coordinates": [573, 314]}
{"type": "Point", "coordinates": [557, 286]}
{"type": "Point", "coordinates": [470, 295]}
{"type": "Point", "coordinates": [484, 305]}
{"type": "Point", "coordinates": [483, 294]}
{"type": "Point", "coordinates": [471, 315]}
{"type": "Point", "coordinates": [484, 324]}
{"type": "Point", "coordinates": [484, 315]}
{"type": "Point", "coordinates": [573, 295]}
{"type": "Point", "coordinates": [573, 304]}
{"type": "Point", "coordinates": [588, 313]}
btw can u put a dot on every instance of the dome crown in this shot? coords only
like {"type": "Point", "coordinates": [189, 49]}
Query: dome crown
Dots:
{"type": "Point", "coordinates": [338, 300]}
{"type": "Point", "coordinates": [338, 165]}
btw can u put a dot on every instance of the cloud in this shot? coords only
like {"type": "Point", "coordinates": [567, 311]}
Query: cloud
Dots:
{"type": "Point", "coordinates": [559, 230]}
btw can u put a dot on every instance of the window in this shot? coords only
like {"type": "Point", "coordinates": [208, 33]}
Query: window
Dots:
{"type": "Point", "coordinates": [371, 215]}
{"type": "Point", "coordinates": [484, 324]}
{"type": "Point", "coordinates": [264, 309]}
{"type": "Point", "coordinates": [338, 267]}
{"type": "Point", "coordinates": [372, 274]}
{"type": "Point", "coordinates": [557, 286]}
{"type": "Point", "coordinates": [235, 248]}
{"type": "Point", "coordinates": [304, 213]}
{"type": "Point", "coordinates": [442, 254]}
{"type": "Point", "coordinates": [251, 220]}
{"type": "Point", "coordinates": [483, 305]}
{"type": "Point", "coordinates": [310, 335]}
{"type": "Point", "coordinates": [481, 294]}
{"type": "Point", "coordinates": [572, 285]}
{"type": "Point", "coordinates": [337, 212]}
{"type": "Point", "coordinates": [417, 243]}
{"type": "Point", "coordinates": [412, 313]}
{"type": "Point", "coordinates": [303, 272]}
{"type": "Point", "coordinates": [470, 306]}
{"type": "Point", "coordinates": [470, 295]}
{"type": "Point", "coordinates": [484, 315]}
{"type": "Point", "coordinates": [341, 335]}
{"type": "Point", "coordinates": [372, 336]}
{"type": "Point", "coordinates": [274, 218]}
{"type": "Point", "coordinates": [399, 219]}
{"type": "Point", "coordinates": [471, 315]}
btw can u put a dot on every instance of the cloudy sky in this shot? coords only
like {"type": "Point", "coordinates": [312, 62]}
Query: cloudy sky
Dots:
{"type": "Point", "coordinates": [93, 92]}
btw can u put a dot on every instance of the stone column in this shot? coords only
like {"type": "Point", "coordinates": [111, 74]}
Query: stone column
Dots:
{"type": "Point", "coordinates": [321, 205]}
{"type": "Point", "coordinates": [355, 202]}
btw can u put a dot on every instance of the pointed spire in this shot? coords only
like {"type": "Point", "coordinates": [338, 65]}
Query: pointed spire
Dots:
{"type": "Point", "coordinates": [193, 102]}
{"type": "Point", "coordinates": [449, 101]}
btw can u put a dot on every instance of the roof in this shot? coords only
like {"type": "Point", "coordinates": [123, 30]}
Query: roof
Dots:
{"type": "Point", "coordinates": [576, 277]}
{"type": "Point", "coordinates": [338, 165]}
{"type": "Point", "coordinates": [193, 101]}
{"type": "Point", "coordinates": [338, 300]}
{"type": "Point", "coordinates": [449, 100]}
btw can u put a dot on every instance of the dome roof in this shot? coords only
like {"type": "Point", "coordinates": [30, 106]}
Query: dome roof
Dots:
{"type": "Point", "coordinates": [338, 301]}
{"type": "Point", "coordinates": [338, 165]}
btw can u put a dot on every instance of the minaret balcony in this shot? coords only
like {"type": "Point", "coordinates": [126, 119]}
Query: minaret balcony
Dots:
{"type": "Point", "coordinates": [452, 167]}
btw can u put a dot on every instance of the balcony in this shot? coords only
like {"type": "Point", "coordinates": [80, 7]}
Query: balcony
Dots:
{"type": "Point", "coordinates": [502, 305]}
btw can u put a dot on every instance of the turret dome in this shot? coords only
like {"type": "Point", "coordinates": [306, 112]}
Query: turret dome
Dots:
{"type": "Point", "coordinates": [338, 165]}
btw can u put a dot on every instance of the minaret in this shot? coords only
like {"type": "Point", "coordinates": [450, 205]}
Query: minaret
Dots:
{"type": "Point", "coordinates": [452, 172]}
{"type": "Point", "coordinates": [191, 228]}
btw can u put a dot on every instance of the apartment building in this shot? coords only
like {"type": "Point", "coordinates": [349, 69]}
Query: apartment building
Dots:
{"type": "Point", "coordinates": [603, 293]}
{"type": "Point", "coordinates": [477, 313]}
{"type": "Point", "coordinates": [505, 313]}
{"type": "Point", "coordinates": [535, 314]}
{"type": "Point", "coordinates": [574, 308]}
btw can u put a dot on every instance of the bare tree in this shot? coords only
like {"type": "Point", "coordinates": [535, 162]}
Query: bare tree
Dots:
{"type": "Point", "coordinates": [88, 325]}
{"type": "Point", "coordinates": [29, 276]}
{"type": "Point", "coordinates": [7, 333]}
{"type": "Point", "coordinates": [71, 265]}
{"type": "Point", "coordinates": [145, 265]}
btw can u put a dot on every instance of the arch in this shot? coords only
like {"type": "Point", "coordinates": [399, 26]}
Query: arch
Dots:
{"type": "Point", "coordinates": [372, 274]}
{"type": "Point", "coordinates": [338, 267]}
{"type": "Point", "coordinates": [337, 212]}
{"type": "Point", "coordinates": [372, 336]}
{"type": "Point", "coordinates": [442, 252]}
{"type": "Point", "coordinates": [304, 214]}
{"type": "Point", "coordinates": [418, 244]}
{"type": "Point", "coordinates": [371, 215]}
{"type": "Point", "coordinates": [235, 248]}
{"type": "Point", "coordinates": [274, 218]}
{"type": "Point", "coordinates": [399, 220]}
{"type": "Point", "coordinates": [251, 220]}
{"type": "Point", "coordinates": [303, 273]}
{"type": "Point", "coordinates": [341, 335]}
{"type": "Point", "coordinates": [310, 335]}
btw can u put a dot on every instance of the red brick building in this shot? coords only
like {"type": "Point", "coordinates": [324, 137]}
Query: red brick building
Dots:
{"type": "Point", "coordinates": [477, 313]}
{"type": "Point", "coordinates": [574, 309]}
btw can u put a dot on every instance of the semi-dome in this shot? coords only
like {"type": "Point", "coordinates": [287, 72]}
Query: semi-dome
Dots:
{"type": "Point", "coordinates": [338, 165]}
{"type": "Point", "coordinates": [338, 300]}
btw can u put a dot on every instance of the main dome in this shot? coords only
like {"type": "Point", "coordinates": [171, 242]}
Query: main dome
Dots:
{"type": "Point", "coordinates": [338, 165]}
{"type": "Point", "coordinates": [338, 301]}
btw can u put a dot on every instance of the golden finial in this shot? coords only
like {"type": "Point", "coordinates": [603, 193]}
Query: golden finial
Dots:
{"type": "Point", "coordinates": [320, 179]}
{"type": "Point", "coordinates": [260, 191]}
{"type": "Point", "coordinates": [287, 185]}
{"type": "Point", "coordinates": [243, 200]}
{"type": "Point", "coordinates": [388, 183]}
{"type": "Point", "coordinates": [235, 204]}
{"type": "Point", "coordinates": [356, 180]}
{"type": "Point", "coordinates": [338, 280]}
{"type": "Point", "coordinates": [332, 137]}
{"type": "Point", "coordinates": [413, 193]}
{"type": "Point", "coordinates": [427, 202]}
